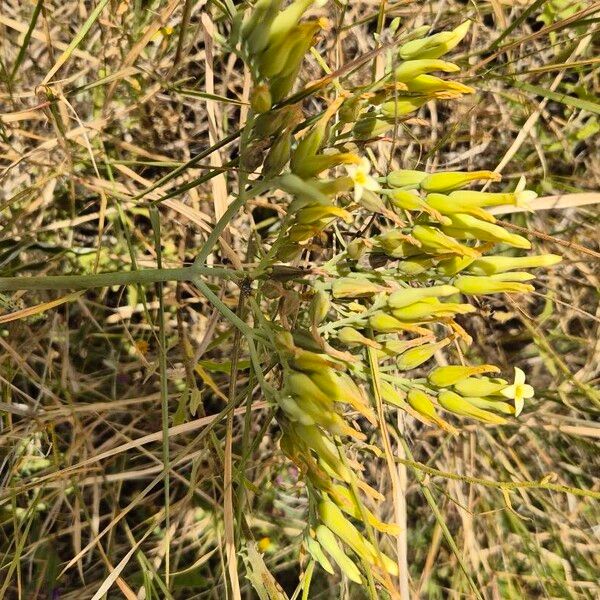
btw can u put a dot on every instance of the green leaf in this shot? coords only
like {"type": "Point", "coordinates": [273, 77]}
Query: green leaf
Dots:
{"type": "Point", "coordinates": [588, 105]}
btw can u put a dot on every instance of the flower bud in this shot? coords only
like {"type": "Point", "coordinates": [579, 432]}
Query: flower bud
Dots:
{"type": "Point", "coordinates": [255, 30]}
{"type": "Point", "coordinates": [351, 394]}
{"type": "Point", "coordinates": [458, 405]}
{"type": "Point", "coordinates": [319, 307]}
{"type": "Point", "coordinates": [413, 68]}
{"type": "Point", "coordinates": [350, 110]}
{"type": "Point", "coordinates": [414, 357]}
{"type": "Point", "coordinates": [391, 395]}
{"type": "Point", "coordinates": [448, 206]}
{"type": "Point", "coordinates": [423, 405]}
{"type": "Point", "coordinates": [429, 84]}
{"type": "Point", "coordinates": [352, 337]}
{"type": "Point", "coordinates": [406, 200]}
{"type": "Point", "coordinates": [431, 308]}
{"type": "Point", "coordinates": [491, 404]}
{"type": "Point", "coordinates": [260, 98]}
{"type": "Point", "coordinates": [346, 500]}
{"type": "Point", "coordinates": [352, 287]}
{"type": "Point", "coordinates": [310, 143]}
{"type": "Point", "coordinates": [434, 46]}
{"type": "Point", "coordinates": [406, 179]}
{"type": "Point", "coordinates": [407, 296]}
{"type": "Point", "coordinates": [414, 267]}
{"type": "Point", "coordinates": [369, 126]}
{"type": "Point", "coordinates": [275, 121]}
{"type": "Point", "coordinates": [301, 233]}
{"type": "Point", "coordinates": [454, 180]}
{"type": "Point", "coordinates": [385, 323]}
{"type": "Point", "coordinates": [333, 518]}
{"type": "Point", "coordinates": [396, 244]}
{"type": "Point", "coordinates": [454, 265]}
{"type": "Point", "coordinates": [291, 409]}
{"type": "Point", "coordinates": [489, 265]}
{"type": "Point", "coordinates": [324, 448]}
{"type": "Point", "coordinates": [285, 341]}
{"type": "Point", "coordinates": [433, 239]}
{"type": "Point", "coordinates": [305, 360]}
{"type": "Point", "coordinates": [314, 549]}
{"type": "Point", "coordinates": [356, 248]}
{"type": "Point", "coordinates": [329, 543]}
{"type": "Point", "coordinates": [451, 374]}
{"type": "Point", "coordinates": [312, 214]}
{"type": "Point", "coordinates": [403, 106]}
{"type": "Point", "coordinates": [287, 19]}
{"type": "Point", "coordinates": [476, 286]}
{"type": "Point", "coordinates": [468, 228]}
{"type": "Point", "coordinates": [278, 155]}
{"type": "Point", "coordinates": [313, 165]}
{"type": "Point", "coordinates": [480, 386]}
{"type": "Point", "coordinates": [305, 192]}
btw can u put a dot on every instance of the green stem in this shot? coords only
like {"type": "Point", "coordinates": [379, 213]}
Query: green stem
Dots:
{"type": "Point", "coordinates": [143, 276]}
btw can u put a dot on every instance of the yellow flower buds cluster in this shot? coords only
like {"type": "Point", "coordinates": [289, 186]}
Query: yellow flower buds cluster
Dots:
{"type": "Point", "coordinates": [314, 388]}
{"type": "Point", "coordinates": [411, 84]}
{"type": "Point", "coordinates": [276, 41]}
{"type": "Point", "coordinates": [394, 296]}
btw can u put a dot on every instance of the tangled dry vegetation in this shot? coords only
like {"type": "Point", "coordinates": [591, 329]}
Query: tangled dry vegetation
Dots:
{"type": "Point", "coordinates": [120, 150]}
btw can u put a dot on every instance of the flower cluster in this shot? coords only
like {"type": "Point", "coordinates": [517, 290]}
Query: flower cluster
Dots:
{"type": "Point", "coordinates": [389, 300]}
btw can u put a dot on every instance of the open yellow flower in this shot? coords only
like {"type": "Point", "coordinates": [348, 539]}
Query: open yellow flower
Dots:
{"type": "Point", "coordinates": [362, 180]}
{"type": "Point", "coordinates": [519, 391]}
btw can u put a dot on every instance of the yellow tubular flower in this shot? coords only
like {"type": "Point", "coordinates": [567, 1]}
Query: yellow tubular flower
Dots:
{"type": "Point", "coordinates": [427, 84]}
{"type": "Point", "coordinates": [407, 296]}
{"type": "Point", "coordinates": [423, 404]}
{"type": "Point", "coordinates": [492, 404]}
{"type": "Point", "coordinates": [352, 337]}
{"type": "Point", "coordinates": [287, 19]}
{"type": "Point", "coordinates": [414, 357]}
{"type": "Point", "coordinates": [433, 239]}
{"type": "Point", "coordinates": [290, 407]}
{"type": "Point", "coordinates": [403, 106]}
{"type": "Point", "coordinates": [385, 323]}
{"type": "Point", "coordinates": [333, 518]}
{"type": "Point", "coordinates": [454, 180]}
{"type": "Point", "coordinates": [329, 543]}
{"type": "Point", "coordinates": [353, 287]}
{"type": "Point", "coordinates": [345, 499]}
{"type": "Point", "coordinates": [447, 205]}
{"type": "Point", "coordinates": [458, 405]}
{"type": "Point", "coordinates": [315, 550]}
{"type": "Point", "coordinates": [451, 374]}
{"type": "Point", "coordinates": [489, 265]}
{"type": "Point", "coordinates": [311, 214]}
{"type": "Point", "coordinates": [477, 286]}
{"type": "Point", "coordinates": [324, 448]}
{"type": "Point", "coordinates": [413, 68]}
{"type": "Point", "coordinates": [301, 386]}
{"type": "Point", "coordinates": [479, 386]}
{"type": "Point", "coordinates": [431, 308]}
{"type": "Point", "coordinates": [467, 227]}
{"type": "Point", "coordinates": [434, 46]}
{"type": "Point", "coordinates": [519, 391]}
{"type": "Point", "coordinates": [405, 178]}
{"type": "Point", "coordinates": [483, 198]}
